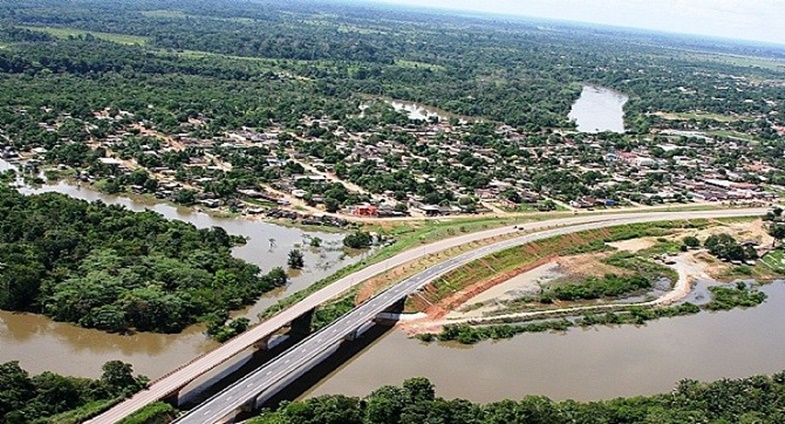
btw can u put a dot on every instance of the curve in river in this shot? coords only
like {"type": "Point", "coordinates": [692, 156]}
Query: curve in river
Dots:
{"type": "Point", "coordinates": [599, 109]}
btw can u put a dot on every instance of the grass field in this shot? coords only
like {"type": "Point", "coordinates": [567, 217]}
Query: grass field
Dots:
{"type": "Point", "coordinates": [685, 116]}
{"type": "Point", "coordinates": [735, 135]}
{"type": "Point", "coordinates": [421, 65]}
{"type": "Point", "coordinates": [73, 32]}
{"type": "Point", "coordinates": [164, 14]}
{"type": "Point", "coordinates": [774, 260]}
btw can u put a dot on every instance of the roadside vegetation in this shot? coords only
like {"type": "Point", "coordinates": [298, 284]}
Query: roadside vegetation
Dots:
{"type": "Point", "coordinates": [755, 399]}
{"type": "Point", "coordinates": [407, 236]}
{"type": "Point", "coordinates": [502, 265]}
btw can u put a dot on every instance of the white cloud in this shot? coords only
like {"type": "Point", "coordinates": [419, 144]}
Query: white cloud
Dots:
{"type": "Point", "coordinates": [760, 20]}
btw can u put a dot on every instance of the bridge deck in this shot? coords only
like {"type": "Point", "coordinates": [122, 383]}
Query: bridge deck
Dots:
{"type": "Point", "coordinates": [246, 390]}
{"type": "Point", "coordinates": [180, 377]}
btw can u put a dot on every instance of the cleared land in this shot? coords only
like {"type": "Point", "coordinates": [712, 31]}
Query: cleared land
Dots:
{"type": "Point", "coordinates": [73, 32]}
{"type": "Point", "coordinates": [512, 283]}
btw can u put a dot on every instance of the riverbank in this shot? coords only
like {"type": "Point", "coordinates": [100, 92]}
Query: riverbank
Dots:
{"type": "Point", "coordinates": [593, 363]}
{"type": "Point", "coordinates": [510, 289]}
{"type": "Point", "coordinates": [32, 339]}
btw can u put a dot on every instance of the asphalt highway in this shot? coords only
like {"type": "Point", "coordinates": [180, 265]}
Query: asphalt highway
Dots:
{"type": "Point", "coordinates": [308, 350]}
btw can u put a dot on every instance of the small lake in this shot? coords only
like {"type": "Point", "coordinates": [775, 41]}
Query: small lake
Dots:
{"type": "Point", "coordinates": [599, 109]}
{"type": "Point", "coordinates": [584, 364]}
{"type": "Point", "coordinates": [41, 344]}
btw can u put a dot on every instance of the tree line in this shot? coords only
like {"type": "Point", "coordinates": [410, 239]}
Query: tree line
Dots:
{"type": "Point", "coordinates": [750, 400]}
{"type": "Point", "coordinates": [40, 398]}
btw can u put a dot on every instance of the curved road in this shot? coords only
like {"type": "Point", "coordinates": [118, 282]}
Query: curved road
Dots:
{"type": "Point", "coordinates": [178, 378]}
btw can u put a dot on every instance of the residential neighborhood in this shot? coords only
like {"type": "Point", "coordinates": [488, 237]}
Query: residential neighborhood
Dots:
{"type": "Point", "coordinates": [389, 165]}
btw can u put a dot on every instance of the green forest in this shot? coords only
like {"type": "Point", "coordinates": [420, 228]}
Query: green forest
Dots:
{"type": "Point", "coordinates": [299, 57]}
{"type": "Point", "coordinates": [53, 398]}
{"type": "Point", "coordinates": [202, 69]}
{"type": "Point", "coordinates": [103, 266]}
{"type": "Point", "coordinates": [758, 399]}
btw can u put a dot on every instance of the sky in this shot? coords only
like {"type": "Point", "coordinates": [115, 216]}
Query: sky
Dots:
{"type": "Point", "coordinates": [758, 20]}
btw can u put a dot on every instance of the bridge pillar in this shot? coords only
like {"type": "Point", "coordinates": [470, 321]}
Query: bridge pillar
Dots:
{"type": "Point", "coordinates": [263, 343]}
{"type": "Point", "coordinates": [391, 315]}
{"type": "Point", "coordinates": [172, 399]}
{"type": "Point", "coordinates": [302, 325]}
{"type": "Point", "coordinates": [358, 332]}
{"type": "Point", "coordinates": [352, 336]}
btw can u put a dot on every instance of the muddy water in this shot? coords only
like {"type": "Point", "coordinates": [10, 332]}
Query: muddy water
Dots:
{"type": "Point", "coordinates": [599, 109]}
{"type": "Point", "coordinates": [583, 364]}
{"type": "Point", "coordinates": [40, 344]}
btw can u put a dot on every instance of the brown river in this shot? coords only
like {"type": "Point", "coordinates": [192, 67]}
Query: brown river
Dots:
{"type": "Point", "coordinates": [582, 364]}
{"type": "Point", "coordinates": [590, 364]}
{"type": "Point", "coordinates": [41, 344]}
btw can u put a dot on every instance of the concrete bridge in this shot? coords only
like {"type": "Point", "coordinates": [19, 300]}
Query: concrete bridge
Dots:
{"type": "Point", "coordinates": [275, 375]}
{"type": "Point", "coordinates": [253, 390]}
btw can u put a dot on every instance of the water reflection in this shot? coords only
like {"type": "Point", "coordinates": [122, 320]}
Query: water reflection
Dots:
{"type": "Point", "coordinates": [599, 109]}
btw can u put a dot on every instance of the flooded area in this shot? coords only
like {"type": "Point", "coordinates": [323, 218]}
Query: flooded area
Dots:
{"type": "Point", "coordinates": [35, 340]}
{"type": "Point", "coordinates": [583, 364]}
{"type": "Point", "coordinates": [417, 111]}
{"type": "Point", "coordinates": [599, 109]}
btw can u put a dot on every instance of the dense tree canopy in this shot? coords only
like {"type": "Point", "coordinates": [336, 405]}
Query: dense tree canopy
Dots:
{"type": "Point", "coordinates": [751, 400]}
{"type": "Point", "coordinates": [26, 399]}
{"type": "Point", "coordinates": [105, 267]}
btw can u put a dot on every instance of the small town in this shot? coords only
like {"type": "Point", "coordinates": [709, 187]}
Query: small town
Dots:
{"type": "Point", "coordinates": [392, 211]}
{"type": "Point", "coordinates": [323, 170]}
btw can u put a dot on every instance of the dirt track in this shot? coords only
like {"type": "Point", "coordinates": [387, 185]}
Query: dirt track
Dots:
{"type": "Point", "coordinates": [685, 265]}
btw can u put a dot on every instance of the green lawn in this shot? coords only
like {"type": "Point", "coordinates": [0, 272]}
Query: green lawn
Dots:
{"type": "Point", "coordinates": [684, 116]}
{"type": "Point", "coordinates": [74, 32]}
{"type": "Point", "coordinates": [733, 135]}
{"type": "Point", "coordinates": [774, 260]}
{"type": "Point", "coordinates": [164, 13]}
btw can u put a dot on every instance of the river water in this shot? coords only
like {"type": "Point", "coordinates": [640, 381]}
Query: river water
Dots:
{"type": "Point", "coordinates": [41, 344]}
{"type": "Point", "coordinates": [599, 109]}
{"type": "Point", "coordinates": [583, 364]}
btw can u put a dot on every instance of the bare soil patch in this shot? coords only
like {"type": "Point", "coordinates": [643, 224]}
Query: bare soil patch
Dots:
{"type": "Point", "coordinates": [634, 245]}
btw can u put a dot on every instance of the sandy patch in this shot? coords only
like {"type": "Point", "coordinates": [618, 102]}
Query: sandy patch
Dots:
{"type": "Point", "coordinates": [633, 245]}
{"type": "Point", "coordinates": [741, 231]}
{"type": "Point", "coordinates": [588, 265]}
{"type": "Point", "coordinates": [523, 284]}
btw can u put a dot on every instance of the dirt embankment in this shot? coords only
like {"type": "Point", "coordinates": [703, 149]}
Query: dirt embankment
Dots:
{"type": "Point", "coordinates": [445, 305]}
{"type": "Point", "coordinates": [691, 266]}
